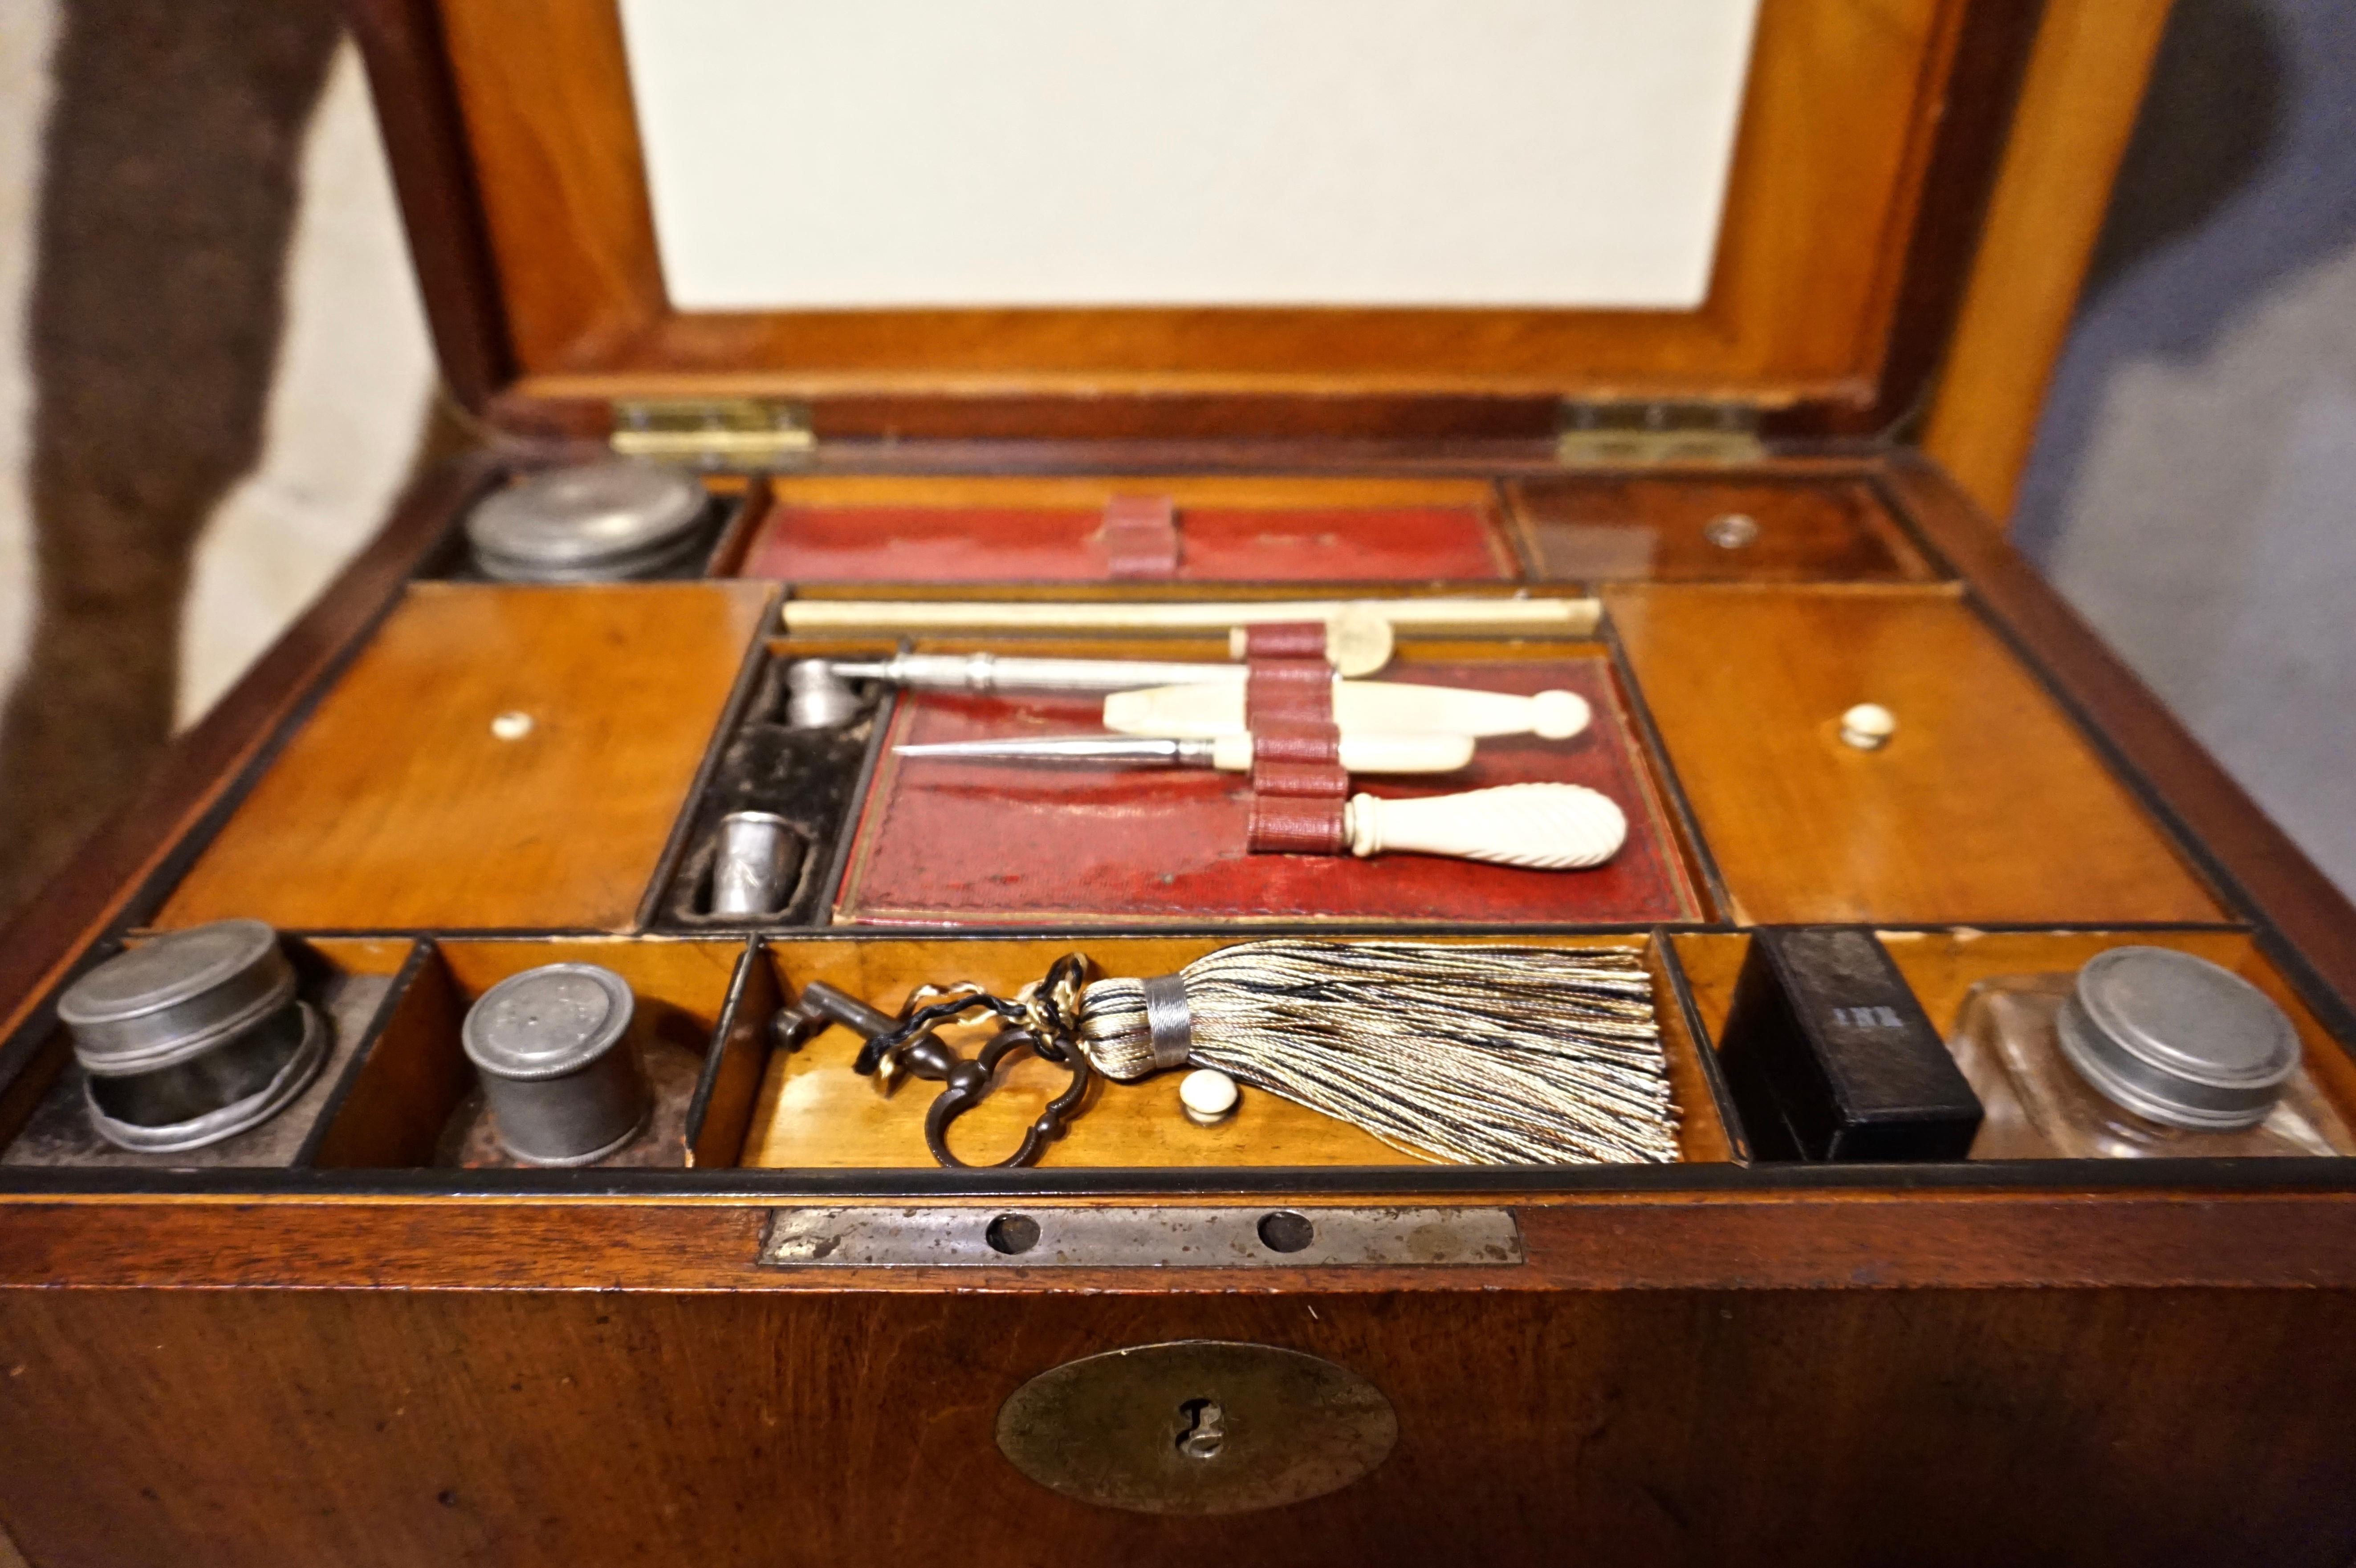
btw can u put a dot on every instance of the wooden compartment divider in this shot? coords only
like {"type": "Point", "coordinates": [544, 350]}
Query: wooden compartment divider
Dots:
{"type": "Point", "coordinates": [814, 1113]}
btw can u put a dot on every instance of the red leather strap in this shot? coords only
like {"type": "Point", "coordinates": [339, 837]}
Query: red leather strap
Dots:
{"type": "Point", "coordinates": [1292, 759]}
{"type": "Point", "coordinates": [1299, 779]}
{"type": "Point", "coordinates": [1315, 746]}
{"type": "Point", "coordinates": [1285, 640]}
{"type": "Point", "coordinates": [1296, 825]}
{"type": "Point", "coordinates": [1288, 692]}
{"type": "Point", "coordinates": [1140, 536]}
{"type": "Point", "coordinates": [1298, 785]}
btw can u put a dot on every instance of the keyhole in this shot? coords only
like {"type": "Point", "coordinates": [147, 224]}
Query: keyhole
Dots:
{"type": "Point", "coordinates": [1206, 1429]}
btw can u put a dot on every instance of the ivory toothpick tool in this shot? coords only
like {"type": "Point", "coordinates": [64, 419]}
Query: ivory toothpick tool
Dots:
{"type": "Point", "coordinates": [1368, 707]}
{"type": "Point", "coordinates": [1229, 753]}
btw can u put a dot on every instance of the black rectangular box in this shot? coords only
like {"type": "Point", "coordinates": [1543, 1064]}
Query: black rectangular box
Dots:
{"type": "Point", "coordinates": [1830, 1057]}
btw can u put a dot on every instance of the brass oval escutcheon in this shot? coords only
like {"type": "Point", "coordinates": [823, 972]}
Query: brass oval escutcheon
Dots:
{"type": "Point", "coordinates": [1196, 1426]}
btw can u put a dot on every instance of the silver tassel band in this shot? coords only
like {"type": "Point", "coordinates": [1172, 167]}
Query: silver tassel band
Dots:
{"type": "Point", "coordinates": [1169, 1025]}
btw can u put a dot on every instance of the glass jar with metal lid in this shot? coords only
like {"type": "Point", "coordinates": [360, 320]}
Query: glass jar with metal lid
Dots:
{"type": "Point", "coordinates": [599, 522]}
{"type": "Point", "coordinates": [193, 1037]}
{"type": "Point", "coordinates": [2144, 1052]}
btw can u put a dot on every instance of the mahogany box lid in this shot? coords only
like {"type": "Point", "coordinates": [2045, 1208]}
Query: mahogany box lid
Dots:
{"type": "Point", "coordinates": [1335, 217]}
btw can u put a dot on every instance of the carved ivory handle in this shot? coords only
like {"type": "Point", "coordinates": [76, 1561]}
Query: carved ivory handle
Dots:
{"type": "Point", "coordinates": [1364, 706]}
{"type": "Point", "coordinates": [1545, 826]}
{"type": "Point", "coordinates": [1363, 753]}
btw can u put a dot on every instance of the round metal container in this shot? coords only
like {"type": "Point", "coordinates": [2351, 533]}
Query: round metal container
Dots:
{"type": "Point", "coordinates": [558, 1065]}
{"type": "Point", "coordinates": [241, 1085]}
{"type": "Point", "coordinates": [192, 1037]}
{"type": "Point", "coordinates": [756, 855]}
{"type": "Point", "coordinates": [2178, 1040]}
{"type": "Point", "coordinates": [600, 522]}
{"type": "Point", "coordinates": [175, 996]}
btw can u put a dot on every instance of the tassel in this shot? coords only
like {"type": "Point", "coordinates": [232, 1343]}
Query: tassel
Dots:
{"type": "Point", "coordinates": [1479, 1055]}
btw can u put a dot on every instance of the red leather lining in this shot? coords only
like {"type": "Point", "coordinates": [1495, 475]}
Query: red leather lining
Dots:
{"type": "Point", "coordinates": [943, 842]}
{"type": "Point", "coordinates": [901, 543]}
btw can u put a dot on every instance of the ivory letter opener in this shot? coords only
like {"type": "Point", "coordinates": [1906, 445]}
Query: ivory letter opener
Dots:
{"type": "Point", "coordinates": [1229, 752]}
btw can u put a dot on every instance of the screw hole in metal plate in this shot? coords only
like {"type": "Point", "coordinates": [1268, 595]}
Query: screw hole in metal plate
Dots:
{"type": "Point", "coordinates": [1012, 1234]}
{"type": "Point", "coordinates": [1286, 1232]}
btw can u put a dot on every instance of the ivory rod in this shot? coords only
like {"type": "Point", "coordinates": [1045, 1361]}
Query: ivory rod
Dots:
{"type": "Point", "coordinates": [1570, 617]}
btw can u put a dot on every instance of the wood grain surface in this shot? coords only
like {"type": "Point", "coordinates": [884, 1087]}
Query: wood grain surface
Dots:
{"type": "Point", "coordinates": [1592, 529]}
{"type": "Point", "coordinates": [416, 1072]}
{"type": "Point", "coordinates": [1942, 967]}
{"type": "Point", "coordinates": [1842, 111]}
{"type": "Point", "coordinates": [584, 1428]}
{"type": "Point", "coordinates": [2077, 104]}
{"type": "Point", "coordinates": [205, 764]}
{"type": "Point", "coordinates": [396, 808]}
{"type": "Point", "coordinates": [2266, 871]}
{"type": "Point", "coordinates": [814, 1112]}
{"type": "Point", "coordinates": [1986, 805]}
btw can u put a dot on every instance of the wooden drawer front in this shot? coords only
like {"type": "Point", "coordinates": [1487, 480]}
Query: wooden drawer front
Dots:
{"type": "Point", "coordinates": [1684, 529]}
{"type": "Point", "coordinates": [589, 1426]}
{"type": "Point", "coordinates": [397, 806]}
{"type": "Point", "coordinates": [1987, 807]}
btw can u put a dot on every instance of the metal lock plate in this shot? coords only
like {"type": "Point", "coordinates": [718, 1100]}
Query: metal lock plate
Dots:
{"type": "Point", "coordinates": [1148, 1236]}
{"type": "Point", "coordinates": [1197, 1426]}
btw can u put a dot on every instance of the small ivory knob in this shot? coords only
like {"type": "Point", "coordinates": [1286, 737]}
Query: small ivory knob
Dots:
{"type": "Point", "coordinates": [1207, 1095]}
{"type": "Point", "coordinates": [1358, 639]}
{"type": "Point", "coordinates": [1868, 726]}
{"type": "Point", "coordinates": [1545, 827]}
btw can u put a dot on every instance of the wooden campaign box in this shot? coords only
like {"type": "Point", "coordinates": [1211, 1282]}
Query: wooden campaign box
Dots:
{"type": "Point", "coordinates": [1601, 314]}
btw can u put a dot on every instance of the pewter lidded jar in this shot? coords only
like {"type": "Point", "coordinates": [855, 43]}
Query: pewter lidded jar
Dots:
{"type": "Point", "coordinates": [559, 1064]}
{"type": "Point", "coordinates": [192, 1037]}
{"type": "Point", "coordinates": [596, 523]}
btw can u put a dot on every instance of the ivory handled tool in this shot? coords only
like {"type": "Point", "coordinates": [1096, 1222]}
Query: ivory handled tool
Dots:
{"type": "Point", "coordinates": [1359, 631]}
{"type": "Point", "coordinates": [1543, 827]}
{"type": "Point", "coordinates": [1229, 753]}
{"type": "Point", "coordinates": [1368, 707]}
{"type": "Point", "coordinates": [994, 672]}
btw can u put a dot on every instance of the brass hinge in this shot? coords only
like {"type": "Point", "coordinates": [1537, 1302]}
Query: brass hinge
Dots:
{"type": "Point", "coordinates": [1650, 434]}
{"type": "Point", "coordinates": [732, 432]}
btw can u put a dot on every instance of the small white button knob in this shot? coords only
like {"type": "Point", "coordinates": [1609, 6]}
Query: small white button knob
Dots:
{"type": "Point", "coordinates": [511, 726]}
{"type": "Point", "coordinates": [1868, 726]}
{"type": "Point", "coordinates": [1207, 1095]}
{"type": "Point", "coordinates": [1735, 530]}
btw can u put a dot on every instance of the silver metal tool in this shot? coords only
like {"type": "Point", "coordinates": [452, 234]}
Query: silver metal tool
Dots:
{"type": "Point", "coordinates": [821, 697]}
{"type": "Point", "coordinates": [993, 672]}
{"type": "Point", "coordinates": [1229, 753]}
